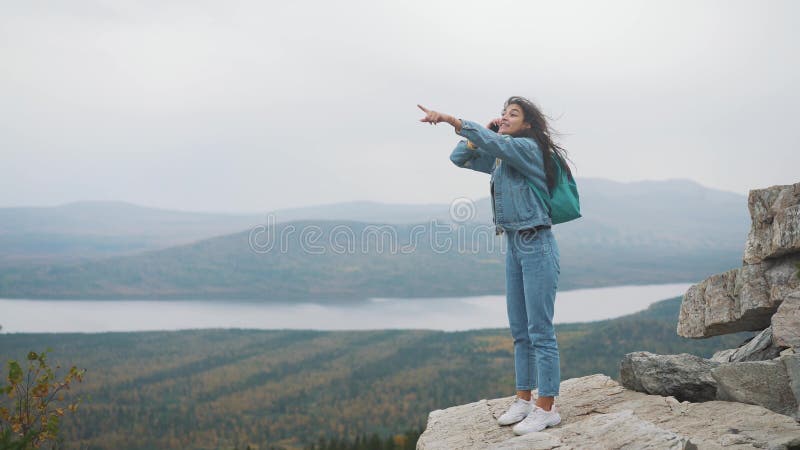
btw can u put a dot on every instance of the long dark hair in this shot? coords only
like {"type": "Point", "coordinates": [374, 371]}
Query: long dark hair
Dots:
{"type": "Point", "coordinates": [541, 132]}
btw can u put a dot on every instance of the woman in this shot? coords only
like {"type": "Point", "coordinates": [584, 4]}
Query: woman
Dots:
{"type": "Point", "coordinates": [520, 151]}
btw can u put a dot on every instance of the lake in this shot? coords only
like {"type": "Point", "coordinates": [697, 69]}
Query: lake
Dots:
{"type": "Point", "coordinates": [449, 314]}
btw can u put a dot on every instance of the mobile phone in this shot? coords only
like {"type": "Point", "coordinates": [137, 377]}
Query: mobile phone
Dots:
{"type": "Point", "coordinates": [494, 127]}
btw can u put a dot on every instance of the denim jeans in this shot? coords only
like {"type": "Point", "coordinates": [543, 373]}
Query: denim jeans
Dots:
{"type": "Point", "coordinates": [532, 270]}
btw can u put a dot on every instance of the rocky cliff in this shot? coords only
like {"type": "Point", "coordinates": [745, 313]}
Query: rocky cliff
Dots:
{"type": "Point", "coordinates": [740, 398]}
{"type": "Point", "coordinates": [597, 412]}
{"type": "Point", "coordinates": [763, 295]}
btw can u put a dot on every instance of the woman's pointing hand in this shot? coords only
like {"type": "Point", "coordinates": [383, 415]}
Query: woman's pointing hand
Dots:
{"type": "Point", "coordinates": [434, 117]}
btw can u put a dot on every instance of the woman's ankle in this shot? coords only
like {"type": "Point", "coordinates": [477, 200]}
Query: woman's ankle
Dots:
{"type": "Point", "coordinates": [545, 403]}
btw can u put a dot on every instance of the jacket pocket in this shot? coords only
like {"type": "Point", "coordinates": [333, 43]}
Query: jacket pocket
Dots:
{"type": "Point", "coordinates": [523, 203]}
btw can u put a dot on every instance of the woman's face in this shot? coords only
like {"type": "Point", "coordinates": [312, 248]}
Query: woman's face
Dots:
{"type": "Point", "coordinates": [513, 121]}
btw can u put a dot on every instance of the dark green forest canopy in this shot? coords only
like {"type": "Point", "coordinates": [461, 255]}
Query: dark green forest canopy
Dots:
{"type": "Point", "coordinates": [289, 389]}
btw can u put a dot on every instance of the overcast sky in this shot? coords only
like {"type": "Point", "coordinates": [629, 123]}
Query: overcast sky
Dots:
{"type": "Point", "coordinates": [252, 106]}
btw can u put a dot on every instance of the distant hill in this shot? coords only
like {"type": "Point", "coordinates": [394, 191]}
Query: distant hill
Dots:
{"type": "Point", "coordinates": [631, 233]}
{"type": "Point", "coordinates": [371, 212]}
{"type": "Point", "coordinates": [660, 214]}
{"type": "Point", "coordinates": [93, 229]}
{"type": "Point", "coordinates": [98, 229]}
{"type": "Point", "coordinates": [341, 261]}
{"type": "Point", "coordinates": [101, 228]}
{"type": "Point", "coordinates": [233, 388]}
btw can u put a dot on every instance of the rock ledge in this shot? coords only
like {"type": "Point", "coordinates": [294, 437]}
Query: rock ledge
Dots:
{"type": "Point", "coordinates": [597, 412]}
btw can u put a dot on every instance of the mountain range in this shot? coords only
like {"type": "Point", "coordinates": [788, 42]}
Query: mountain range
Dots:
{"type": "Point", "coordinates": [630, 233]}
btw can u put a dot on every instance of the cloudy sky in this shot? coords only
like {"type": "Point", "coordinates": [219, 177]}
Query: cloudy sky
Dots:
{"type": "Point", "coordinates": [257, 105]}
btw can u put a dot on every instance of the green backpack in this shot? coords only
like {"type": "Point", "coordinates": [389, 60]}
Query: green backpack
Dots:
{"type": "Point", "coordinates": [563, 203]}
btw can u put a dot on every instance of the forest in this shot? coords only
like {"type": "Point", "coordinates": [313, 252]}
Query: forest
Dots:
{"type": "Point", "coordinates": [287, 389]}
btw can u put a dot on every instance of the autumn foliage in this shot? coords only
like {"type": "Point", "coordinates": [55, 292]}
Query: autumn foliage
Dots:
{"type": "Point", "coordinates": [33, 401]}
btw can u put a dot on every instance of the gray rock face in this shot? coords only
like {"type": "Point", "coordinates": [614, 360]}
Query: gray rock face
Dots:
{"type": "Point", "coordinates": [771, 384]}
{"type": "Point", "coordinates": [760, 348]}
{"type": "Point", "coordinates": [597, 412]}
{"type": "Point", "coordinates": [685, 377]}
{"type": "Point", "coordinates": [742, 299]}
{"type": "Point", "coordinates": [786, 323]}
{"type": "Point", "coordinates": [781, 277]}
{"type": "Point", "coordinates": [775, 229]}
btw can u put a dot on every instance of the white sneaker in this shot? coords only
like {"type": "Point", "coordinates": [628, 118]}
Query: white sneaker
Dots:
{"type": "Point", "coordinates": [516, 412]}
{"type": "Point", "coordinates": [537, 420]}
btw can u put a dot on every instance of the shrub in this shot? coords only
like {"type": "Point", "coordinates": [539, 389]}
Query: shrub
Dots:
{"type": "Point", "coordinates": [32, 402]}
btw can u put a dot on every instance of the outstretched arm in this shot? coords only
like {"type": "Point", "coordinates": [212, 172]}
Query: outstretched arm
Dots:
{"type": "Point", "coordinates": [521, 153]}
{"type": "Point", "coordinates": [470, 158]}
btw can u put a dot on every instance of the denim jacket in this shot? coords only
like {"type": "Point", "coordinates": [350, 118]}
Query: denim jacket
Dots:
{"type": "Point", "coordinates": [511, 161]}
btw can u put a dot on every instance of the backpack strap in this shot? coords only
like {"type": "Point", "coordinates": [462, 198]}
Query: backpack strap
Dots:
{"type": "Point", "coordinates": [546, 199]}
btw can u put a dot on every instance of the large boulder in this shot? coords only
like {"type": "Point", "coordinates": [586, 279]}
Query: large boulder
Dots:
{"type": "Point", "coordinates": [775, 229]}
{"type": "Point", "coordinates": [685, 377]}
{"type": "Point", "coordinates": [745, 298]}
{"type": "Point", "coordinates": [773, 384]}
{"type": "Point", "coordinates": [597, 412]}
{"type": "Point", "coordinates": [742, 299]}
